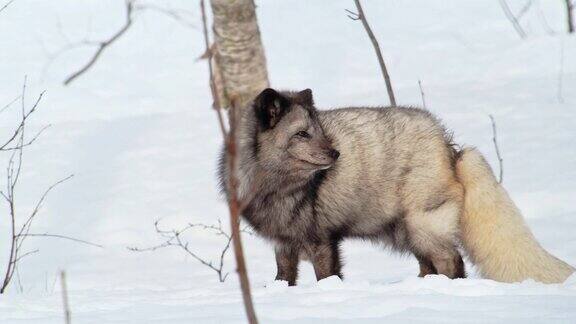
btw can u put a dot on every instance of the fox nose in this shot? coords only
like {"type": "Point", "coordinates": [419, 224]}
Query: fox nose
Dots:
{"type": "Point", "coordinates": [334, 154]}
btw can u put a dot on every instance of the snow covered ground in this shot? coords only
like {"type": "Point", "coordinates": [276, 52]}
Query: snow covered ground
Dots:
{"type": "Point", "coordinates": [138, 134]}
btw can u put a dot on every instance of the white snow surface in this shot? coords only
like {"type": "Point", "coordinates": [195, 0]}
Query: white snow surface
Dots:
{"type": "Point", "coordinates": [138, 133]}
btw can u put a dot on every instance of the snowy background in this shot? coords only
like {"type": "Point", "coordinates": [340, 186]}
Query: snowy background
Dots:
{"type": "Point", "coordinates": [139, 136]}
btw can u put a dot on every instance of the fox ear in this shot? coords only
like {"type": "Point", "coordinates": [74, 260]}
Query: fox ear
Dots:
{"type": "Point", "coordinates": [270, 106]}
{"type": "Point", "coordinates": [305, 97]}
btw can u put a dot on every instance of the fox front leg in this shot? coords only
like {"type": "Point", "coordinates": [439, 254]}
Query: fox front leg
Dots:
{"type": "Point", "coordinates": [426, 266]}
{"type": "Point", "coordinates": [325, 258]}
{"type": "Point", "coordinates": [287, 264]}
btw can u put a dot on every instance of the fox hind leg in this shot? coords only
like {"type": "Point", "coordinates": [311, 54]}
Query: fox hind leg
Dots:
{"type": "Point", "coordinates": [450, 264]}
{"type": "Point", "coordinates": [433, 238]}
{"type": "Point", "coordinates": [442, 259]}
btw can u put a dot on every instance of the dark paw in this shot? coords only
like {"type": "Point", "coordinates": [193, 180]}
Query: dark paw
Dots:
{"type": "Point", "coordinates": [290, 282]}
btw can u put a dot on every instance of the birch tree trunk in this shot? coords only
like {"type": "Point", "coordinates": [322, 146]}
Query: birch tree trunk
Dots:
{"type": "Point", "coordinates": [238, 53]}
{"type": "Point", "coordinates": [238, 74]}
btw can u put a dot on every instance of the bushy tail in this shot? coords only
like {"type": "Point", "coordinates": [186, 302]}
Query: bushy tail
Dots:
{"type": "Point", "coordinates": [494, 233]}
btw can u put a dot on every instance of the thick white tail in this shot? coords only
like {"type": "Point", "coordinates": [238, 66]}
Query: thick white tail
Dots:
{"type": "Point", "coordinates": [494, 233]}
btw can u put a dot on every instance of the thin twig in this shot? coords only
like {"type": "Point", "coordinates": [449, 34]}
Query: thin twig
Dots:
{"type": "Point", "coordinates": [61, 237]}
{"type": "Point", "coordinates": [27, 224]}
{"type": "Point", "coordinates": [362, 17]}
{"type": "Point", "coordinates": [174, 239]}
{"type": "Point", "coordinates": [52, 57]}
{"type": "Point", "coordinates": [513, 19]}
{"type": "Point", "coordinates": [234, 208]}
{"type": "Point", "coordinates": [28, 143]}
{"type": "Point", "coordinates": [15, 147]}
{"type": "Point", "coordinates": [422, 94]}
{"type": "Point", "coordinates": [65, 304]}
{"type": "Point", "coordinates": [172, 13]}
{"type": "Point", "coordinates": [352, 15]}
{"type": "Point", "coordinates": [9, 104]}
{"type": "Point", "coordinates": [524, 9]}
{"type": "Point", "coordinates": [233, 203]}
{"type": "Point", "coordinates": [495, 141]}
{"type": "Point", "coordinates": [6, 5]}
{"type": "Point", "coordinates": [216, 99]}
{"type": "Point", "coordinates": [18, 279]}
{"type": "Point", "coordinates": [104, 44]}
{"type": "Point", "coordinates": [543, 20]}
{"type": "Point", "coordinates": [178, 15]}
{"type": "Point", "coordinates": [19, 129]}
{"type": "Point", "coordinates": [569, 15]}
{"type": "Point", "coordinates": [20, 257]}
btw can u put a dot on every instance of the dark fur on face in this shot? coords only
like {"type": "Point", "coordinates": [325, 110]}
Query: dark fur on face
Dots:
{"type": "Point", "coordinates": [290, 138]}
{"type": "Point", "coordinates": [270, 105]}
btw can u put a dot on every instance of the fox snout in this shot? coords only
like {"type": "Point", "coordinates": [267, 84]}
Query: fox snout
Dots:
{"type": "Point", "coordinates": [326, 157]}
{"type": "Point", "coordinates": [334, 154]}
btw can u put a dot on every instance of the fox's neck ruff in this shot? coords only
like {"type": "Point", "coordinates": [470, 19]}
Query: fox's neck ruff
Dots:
{"type": "Point", "coordinates": [246, 154]}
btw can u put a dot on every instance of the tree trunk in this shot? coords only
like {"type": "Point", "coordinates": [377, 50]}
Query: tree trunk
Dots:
{"type": "Point", "coordinates": [238, 52]}
{"type": "Point", "coordinates": [569, 15]}
{"type": "Point", "coordinates": [238, 74]}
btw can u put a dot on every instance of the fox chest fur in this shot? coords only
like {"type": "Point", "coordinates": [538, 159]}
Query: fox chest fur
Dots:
{"type": "Point", "coordinates": [309, 213]}
{"type": "Point", "coordinates": [288, 213]}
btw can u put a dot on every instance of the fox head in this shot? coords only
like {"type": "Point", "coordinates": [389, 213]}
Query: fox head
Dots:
{"type": "Point", "coordinates": [289, 137]}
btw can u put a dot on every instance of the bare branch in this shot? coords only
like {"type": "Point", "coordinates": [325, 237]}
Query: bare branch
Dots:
{"type": "Point", "coordinates": [18, 279]}
{"type": "Point", "coordinates": [104, 44]}
{"type": "Point", "coordinates": [6, 5]}
{"type": "Point", "coordinates": [28, 143]}
{"type": "Point", "coordinates": [233, 203]}
{"type": "Point", "coordinates": [60, 237]}
{"type": "Point", "coordinates": [513, 19]}
{"type": "Point", "coordinates": [15, 147]}
{"type": "Point", "coordinates": [215, 97]}
{"type": "Point", "coordinates": [19, 129]}
{"type": "Point", "coordinates": [543, 20]}
{"type": "Point", "coordinates": [495, 140]}
{"type": "Point", "coordinates": [570, 15]}
{"type": "Point", "coordinates": [9, 104]}
{"type": "Point", "coordinates": [20, 257]}
{"type": "Point", "coordinates": [174, 239]}
{"type": "Point", "coordinates": [26, 227]}
{"type": "Point", "coordinates": [177, 15]}
{"type": "Point", "coordinates": [524, 9]}
{"type": "Point", "coordinates": [422, 94]}
{"type": "Point", "coordinates": [352, 15]}
{"type": "Point", "coordinates": [65, 305]}
{"type": "Point", "coordinates": [362, 17]}
{"type": "Point", "coordinates": [68, 47]}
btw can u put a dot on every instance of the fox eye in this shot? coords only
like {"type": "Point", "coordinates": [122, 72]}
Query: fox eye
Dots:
{"type": "Point", "coordinates": [303, 134]}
